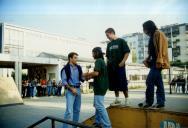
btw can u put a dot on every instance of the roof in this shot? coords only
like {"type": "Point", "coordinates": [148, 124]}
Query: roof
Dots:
{"type": "Point", "coordinates": [63, 57]}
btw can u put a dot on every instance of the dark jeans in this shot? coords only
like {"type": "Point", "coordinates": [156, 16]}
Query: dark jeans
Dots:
{"type": "Point", "coordinates": [31, 91]}
{"type": "Point", "coordinates": [154, 78]}
{"type": "Point", "coordinates": [59, 91]}
{"type": "Point", "coordinates": [24, 91]}
{"type": "Point", "coordinates": [43, 91]}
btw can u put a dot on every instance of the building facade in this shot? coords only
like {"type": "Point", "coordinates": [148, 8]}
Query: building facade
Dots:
{"type": "Point", "coordinates": [41, 53]}
{"type": "Point", "coordinates": [138, 43]}
{"type": "Point", "coordinates": [177, 35]}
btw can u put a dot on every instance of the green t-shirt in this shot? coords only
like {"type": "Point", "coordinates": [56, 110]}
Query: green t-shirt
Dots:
{"type": "Point", "coordinates": [116, 50]}
{"type": "Point", "coordinates": [101, 81]}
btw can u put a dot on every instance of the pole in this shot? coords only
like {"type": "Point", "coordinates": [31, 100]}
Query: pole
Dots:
{"type": "Point", "coordinates": [171, 41]}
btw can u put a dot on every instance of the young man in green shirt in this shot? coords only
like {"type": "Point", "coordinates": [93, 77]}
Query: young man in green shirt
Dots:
{"type": "Point", "coordinates": [117, 54]}
{"type": "Point", "coordinates": [100, 76]}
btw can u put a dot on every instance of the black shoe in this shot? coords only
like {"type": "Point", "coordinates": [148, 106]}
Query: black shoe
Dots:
{"type": "Point", "coordinates": [144, 105]}
{"type": "Point", "coordinates": [158, 106]}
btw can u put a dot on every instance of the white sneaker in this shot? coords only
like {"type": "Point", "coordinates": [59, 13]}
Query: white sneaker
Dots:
{"type": "Point", "coordinates": [116, 103]}
{"type": "Point", "coordinates": [126, 103]}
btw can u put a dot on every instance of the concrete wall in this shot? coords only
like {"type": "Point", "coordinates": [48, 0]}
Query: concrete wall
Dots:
{"type": "Point", "coordinates": [9, 92]}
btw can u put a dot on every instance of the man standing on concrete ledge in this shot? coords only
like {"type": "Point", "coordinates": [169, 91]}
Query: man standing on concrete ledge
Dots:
{"type": "Point", "coordinates": [71, 77]}
{"type": "Point", "coordinates": [117, 54]}
{"type": "Point", "coordinates": [157, 60]}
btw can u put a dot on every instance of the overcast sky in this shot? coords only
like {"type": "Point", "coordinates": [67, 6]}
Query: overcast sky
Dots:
{"type": "Point", "coordinates": [88, 19]}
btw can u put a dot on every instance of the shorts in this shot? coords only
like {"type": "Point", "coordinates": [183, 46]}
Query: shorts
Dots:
{"type": "Point", "coordinates": [117, 78]}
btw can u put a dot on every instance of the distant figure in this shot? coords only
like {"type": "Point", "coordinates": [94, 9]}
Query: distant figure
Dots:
{"type": "Point", "coordinates": [117, 53]}
{"type": "Point", "coordinates": [33, 87]}
{"type": "Point", "coordinates": [54, 87]}
{"type": "Point", "coordinates": [100, 85]}
{"type": "Point", "coordinates": [38, 88]}
{"type": "Point", "coordinates": [43, 85]}
{"type": "Point", "coordinates": [71, 78]}
{"type": "Point", "coordinates": [59, 88]}
{"type": "Point", "coordinates": [49, 86]}
{"type": "Point", "coordinates": [24, 88]}
{"type": "Point", "coordinates": [157, 60]}
{"type": "Point", "coordinates": [181, 84]}
{"type": "Point", "coordinates": [173, 83]}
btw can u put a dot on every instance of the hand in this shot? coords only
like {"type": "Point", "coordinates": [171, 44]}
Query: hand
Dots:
{"type": "Point", "coordinates": [145, 62]}
{"type": "Point", "coordinates": [87, 76]}
{"type": "Point", "coordinates": [74, 91]}
{"type": "Point", "coordinates": [158, 65]}
{"type": "Point", "coordinates": [122, 64]}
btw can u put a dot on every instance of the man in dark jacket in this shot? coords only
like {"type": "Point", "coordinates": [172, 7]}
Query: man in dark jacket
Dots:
{"type": "Point", "coordinates": [71, 77]}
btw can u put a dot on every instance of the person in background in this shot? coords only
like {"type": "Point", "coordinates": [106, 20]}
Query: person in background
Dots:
{"type": "Point", "coordinates": [173, 83]}
{"type": "Point", "coordinates": [32, 87]}
{"type": "Point", "coordinates": [24, 88]}
{"type": "Point", "coordinates": [38, 88]}
{"type": "Point", "coordinates": [54, 87]}
{"type": "Point", "coordinates": [43, 85]}
{"type": "Point", "coordinates": [49, 86]}
{"type": "Point", "coordinates": [28, 88]}
{"type": "Point", "coordinates": [59, 88]}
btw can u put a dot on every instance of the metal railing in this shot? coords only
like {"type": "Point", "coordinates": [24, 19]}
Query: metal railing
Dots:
{"type": "Point", "coordinates": [53, 119]}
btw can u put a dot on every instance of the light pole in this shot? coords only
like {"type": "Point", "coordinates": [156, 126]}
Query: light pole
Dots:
{"type": "Point", "coordinates": [171, 41]}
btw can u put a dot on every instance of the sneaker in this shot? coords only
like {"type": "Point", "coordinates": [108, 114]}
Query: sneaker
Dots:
{"type": "Point", "coordinates": [96, 125]}
{"type": "Point", "coordinates": [144, 105]}
{"type": "Point", "coordinates": [158, 105]}
{"type": "Point", "coordinates": [126, 103]}
{"type": "Point", "coordinates": [116, 103]}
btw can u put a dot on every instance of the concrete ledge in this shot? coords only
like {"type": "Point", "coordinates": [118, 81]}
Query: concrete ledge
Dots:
{"type": "Point", "coordinates": [9, 92]}
{"type": "Point", "coordinates": [128, 117]}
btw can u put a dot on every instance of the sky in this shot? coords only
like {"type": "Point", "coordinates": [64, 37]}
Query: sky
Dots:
{"type": "Point", "coordinates": [88, 19]}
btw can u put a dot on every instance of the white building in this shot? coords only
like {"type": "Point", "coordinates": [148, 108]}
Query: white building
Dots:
{"type": "Point", "coordinates": [41, 53]}
{"type": "Point", "coordinates": [138, 43]}
{"type": "Point", "coordinates": [177, 35]}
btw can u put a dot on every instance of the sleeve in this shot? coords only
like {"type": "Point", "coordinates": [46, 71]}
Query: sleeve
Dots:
{"type": "Point", "coordinates": [107, 51]}
{"type": "Point", "coordinates": [159, 39]}
{"type": "Point", "coordinates": [98, 67]}
{"type": "Point", "coordinates": [64, 78]}
{"type": "Point", "coordinates": [82, 78]}
{"type": "Point", "coordinates": [125, 47]}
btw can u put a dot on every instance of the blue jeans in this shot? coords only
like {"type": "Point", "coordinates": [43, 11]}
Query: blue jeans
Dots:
{"type": "Point", "coordinates": [73, 105]}
{"type": "Point", "coordinates": [101, 115]}
{"type": "Point", "coordinates": [59, 91]}
{"type": "Point", "coordinates": [154, 78]}
{"type": "Point", "coordinates": [49, 90]}
{"type": "Point", "coordinates": [54, 90]}
{"type": "Point", "coordinates": [31, 91]}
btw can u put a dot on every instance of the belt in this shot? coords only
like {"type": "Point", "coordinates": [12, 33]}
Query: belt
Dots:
{"type": "Point", "coordinates": [73, 86]}
{"type": "Point", "coordinates": [76, 86]}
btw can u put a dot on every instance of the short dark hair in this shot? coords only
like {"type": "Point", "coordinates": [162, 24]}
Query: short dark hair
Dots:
{"type": "Point", "coordinates": [150, 27]}
{"type": "Point", "coordinates": [110, 30]}
{"type": "Point", "coordinates": [98, 53]}
{"type": "Point", "coordinates": [71, 54]}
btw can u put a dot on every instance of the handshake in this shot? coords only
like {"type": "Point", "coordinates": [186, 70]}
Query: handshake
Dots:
{"type": "Point", "coordinates": [87, 76]}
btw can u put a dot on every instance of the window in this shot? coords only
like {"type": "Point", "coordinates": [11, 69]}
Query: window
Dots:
{"type": "Point", "coordinates": [144, 77]}
{"type": "Point", "coordinates": [186, 27]}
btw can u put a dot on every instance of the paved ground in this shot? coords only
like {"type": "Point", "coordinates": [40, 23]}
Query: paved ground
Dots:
{"type": "Point", "coordinates": [21, 116]}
